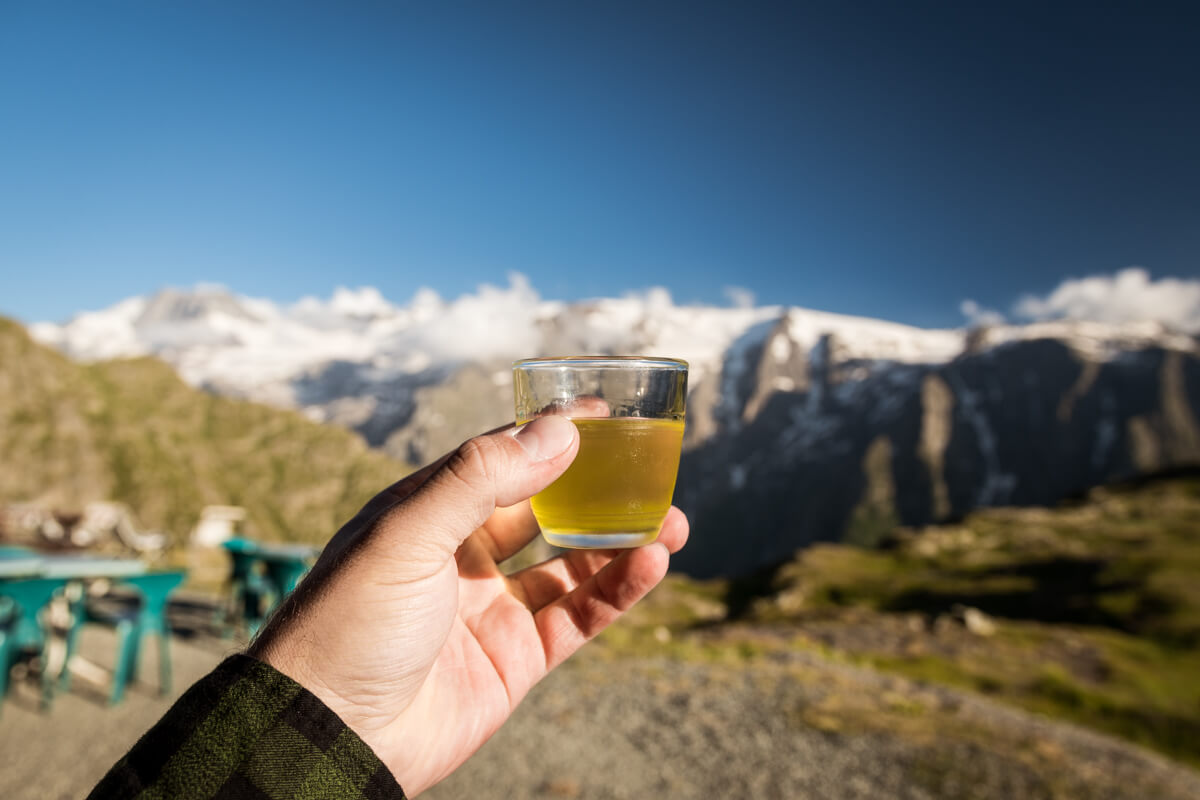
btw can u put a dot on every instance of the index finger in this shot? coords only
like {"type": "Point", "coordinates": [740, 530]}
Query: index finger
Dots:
{"type": "Point", "coordinates": [508, 530]}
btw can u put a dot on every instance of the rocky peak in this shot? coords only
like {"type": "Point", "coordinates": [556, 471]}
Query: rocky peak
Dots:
{"type": "Point", "coordinates": [174, 305]}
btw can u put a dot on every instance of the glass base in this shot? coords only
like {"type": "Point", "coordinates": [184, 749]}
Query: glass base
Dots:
{"type": "Point", "coordinates": [588, 540]}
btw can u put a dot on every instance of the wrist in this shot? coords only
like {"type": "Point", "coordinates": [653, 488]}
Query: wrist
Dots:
{"type": "Point", "coordinates": [277, 649]}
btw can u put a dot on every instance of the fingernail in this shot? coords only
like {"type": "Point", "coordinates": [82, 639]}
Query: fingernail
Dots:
{"type": "Point", "coordinates": [545, 437]}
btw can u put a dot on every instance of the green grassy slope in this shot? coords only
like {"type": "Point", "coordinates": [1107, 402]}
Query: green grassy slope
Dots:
{"type": "Point", "coordinates": [1094, 610]}
{"type": "Point", "coordinates": [132, 431]}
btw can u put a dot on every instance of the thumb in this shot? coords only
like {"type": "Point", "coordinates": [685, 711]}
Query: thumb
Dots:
{"type": "Point", "coordinates": [499, 469]}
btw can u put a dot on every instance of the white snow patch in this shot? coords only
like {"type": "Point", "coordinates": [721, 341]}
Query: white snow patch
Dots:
{"type": "Point", "coordinates": [1094, 341]}
{"type": "Point", "coordinates": [858, 337]}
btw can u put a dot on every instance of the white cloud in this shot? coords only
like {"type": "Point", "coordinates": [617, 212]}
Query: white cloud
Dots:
{"type": "Point", "coordinates": [1128, 296]}
{"type": "Point", "coordinates": [739, 296]}
{"type": "Point", "coordinates": [978, 316]}
{"type": "Point", "coordinates": [492, 322]}
{"type": "Point", "coordinates": [653, 297]}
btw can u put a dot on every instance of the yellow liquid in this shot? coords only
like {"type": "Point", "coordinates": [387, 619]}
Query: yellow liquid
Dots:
{"type": "Point", "coordinates": [617, 491]}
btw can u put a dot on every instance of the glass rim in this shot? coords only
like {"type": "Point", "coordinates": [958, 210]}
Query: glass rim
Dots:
{"type": "Point", "coordinates": [603, 362]}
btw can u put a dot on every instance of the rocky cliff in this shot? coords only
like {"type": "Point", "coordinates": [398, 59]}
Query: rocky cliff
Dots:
{"type": "Point", "coordinates": [825, 448]}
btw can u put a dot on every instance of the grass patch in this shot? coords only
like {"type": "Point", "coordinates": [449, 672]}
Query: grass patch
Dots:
{"type": "Point", "coordinates": [1149, 693]}
{"type": "Point", "coordinates": [1096, 607]}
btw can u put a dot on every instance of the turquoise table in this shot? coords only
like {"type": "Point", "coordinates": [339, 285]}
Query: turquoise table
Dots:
{"type": "Point", "coordinates": [28, 631]}
{"type": "Point", "coordinates": [287, 564]}
{"type": "Point", "coordinates": [80, 567]}
{"type": "Point", "coordinates": [19, 562]}
{"type": "Point", "coordinates": [262, 574]}
{"type": "Point", "coordinates": [146, 616]}
{"type": "Point", "coordinates": [31, 580]}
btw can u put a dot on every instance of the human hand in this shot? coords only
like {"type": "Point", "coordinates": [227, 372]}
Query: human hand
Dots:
{"type": "Point", "coordinates": [409, 631]}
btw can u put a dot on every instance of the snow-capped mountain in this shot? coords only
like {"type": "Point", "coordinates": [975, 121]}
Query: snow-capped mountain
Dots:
{"type": "Point", "coordinates": [803, 425]}
{"type": "Point", "coordinates": [358, 349]}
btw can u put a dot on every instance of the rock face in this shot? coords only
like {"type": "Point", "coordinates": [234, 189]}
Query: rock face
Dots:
{"type": "Point", "coordinates": [803, 426]}
{"type": "Point", "coordinates": [470, 400]}
{"type": "Point", "coordinates": [1022, 423]}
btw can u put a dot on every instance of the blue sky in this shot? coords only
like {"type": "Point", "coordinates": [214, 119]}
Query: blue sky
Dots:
{"type": "Point", "coordinates": [887, 160]}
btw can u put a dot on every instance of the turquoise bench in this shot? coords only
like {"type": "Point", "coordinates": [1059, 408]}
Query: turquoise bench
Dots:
{"type": "Point", "coordinates": [142, 613]}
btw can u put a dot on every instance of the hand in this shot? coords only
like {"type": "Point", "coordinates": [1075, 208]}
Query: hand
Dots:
{"type": "Point", "coordinates": [409, 631]}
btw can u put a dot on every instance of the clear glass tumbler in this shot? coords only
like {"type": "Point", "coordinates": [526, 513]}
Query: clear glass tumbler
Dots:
{"type": "Point", "coordinates": [630, 415]}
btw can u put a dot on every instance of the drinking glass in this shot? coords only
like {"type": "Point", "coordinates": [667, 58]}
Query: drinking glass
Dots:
{"type": "Point", "coordinates": [630, 415]}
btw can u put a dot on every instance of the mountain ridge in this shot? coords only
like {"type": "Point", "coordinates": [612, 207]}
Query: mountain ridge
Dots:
{"type": "Point", "coordinates": [130, 430]}
{"type": "Point", "coordinates": [803, 425]}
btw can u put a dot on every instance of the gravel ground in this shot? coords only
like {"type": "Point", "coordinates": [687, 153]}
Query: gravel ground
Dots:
{"type": "Point", "coordinates": [792, 726]}
{"type": "Point", "coordinates": [64, 752]}
{"type": "Point", "coordinates": [800, 727]}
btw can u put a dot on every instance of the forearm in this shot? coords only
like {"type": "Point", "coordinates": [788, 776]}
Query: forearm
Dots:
{"type": "Point", "coordinates": [248, 731]}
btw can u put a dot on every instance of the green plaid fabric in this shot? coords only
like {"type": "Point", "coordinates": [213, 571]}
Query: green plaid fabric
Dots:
{"type": "Point", "coordinates": [249, 732]}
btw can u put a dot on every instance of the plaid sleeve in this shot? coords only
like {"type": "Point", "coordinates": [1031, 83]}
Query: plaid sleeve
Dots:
{"type": "Point", "coordinates": [249, 732]}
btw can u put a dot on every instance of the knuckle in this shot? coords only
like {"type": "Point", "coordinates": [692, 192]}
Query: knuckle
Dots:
{"type": "Point", "coordinates": [474, 462]}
